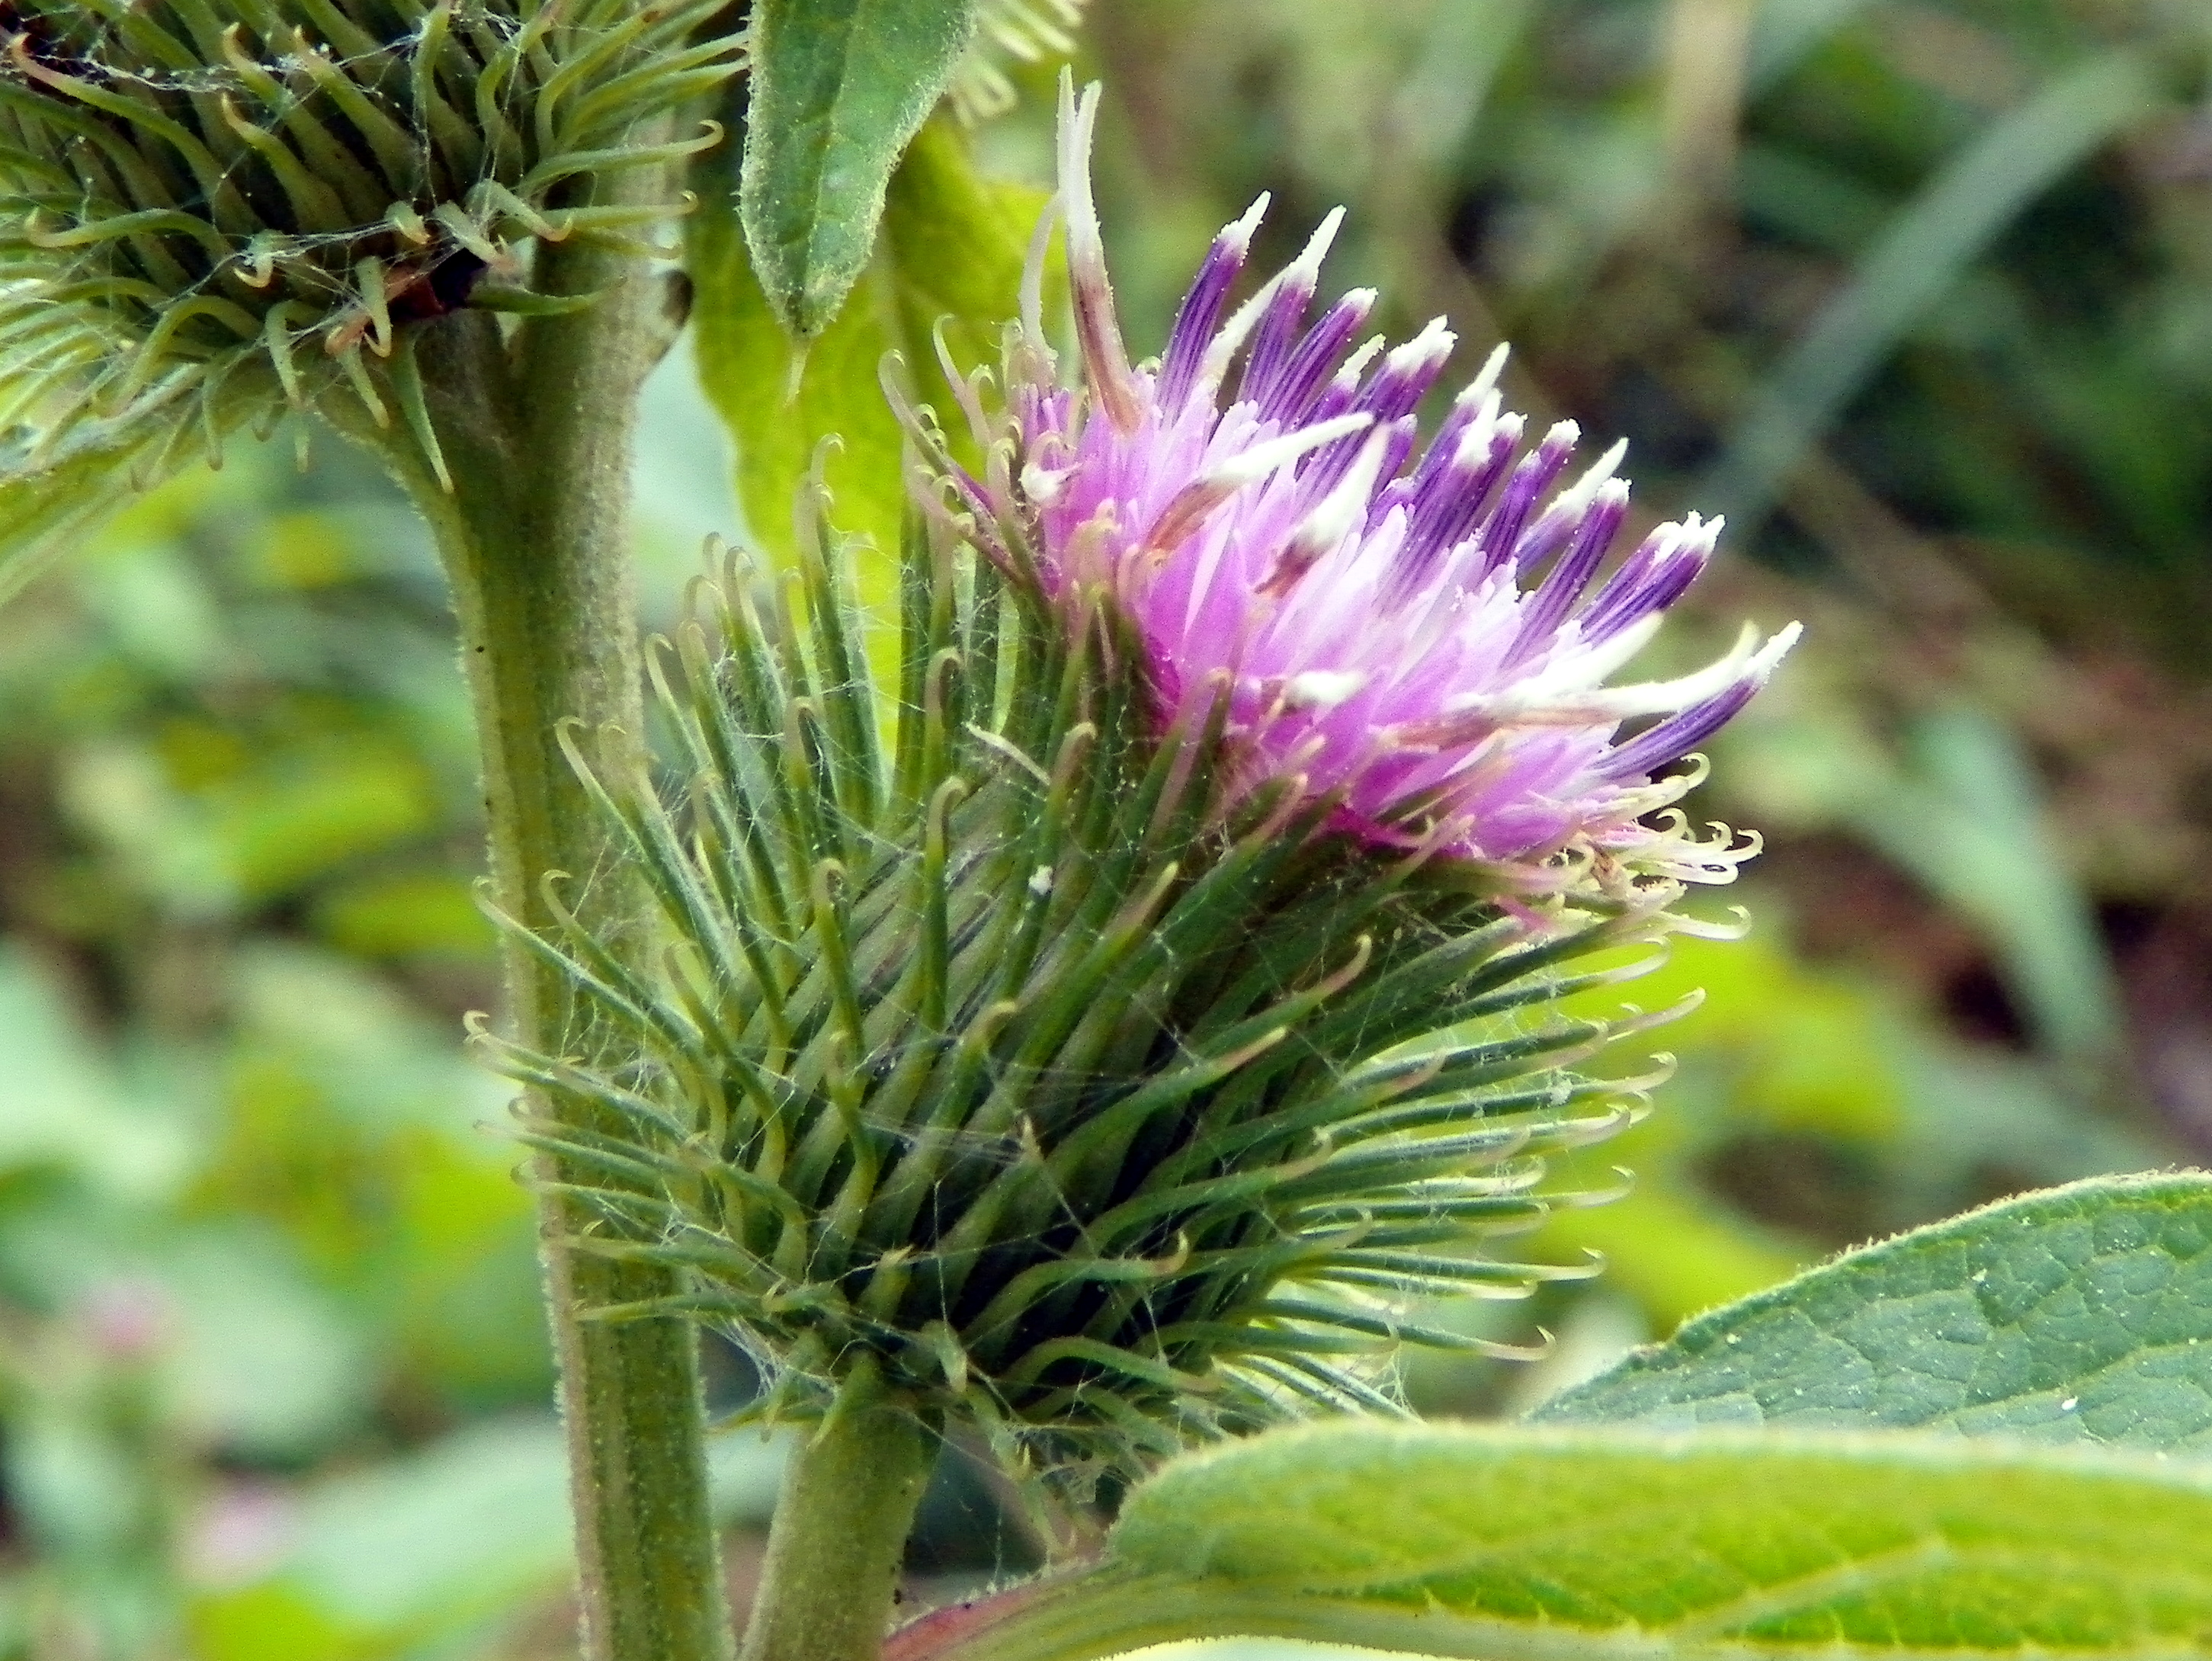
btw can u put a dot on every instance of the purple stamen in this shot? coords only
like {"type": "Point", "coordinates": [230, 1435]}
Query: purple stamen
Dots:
{"type": "Point", "coordinates": [1273, 342]}
{"type": "Point", "coordinates": [1398, 387]}
{"type": "Point", "coordinates": [1449, 502]}
{"type": "Point", "coordinates": [1676, 737]}
{"type": "Point", "coordinates": [1547, 608]}
{"type": "Point", "coordinates": [1633, 574]}
{"type": "Point", "coordinates": [1391, 394]}
{"type": "Point", "coordinates": [1634, 594]}
{"type": "Point", "coordinates": [1443, 451]}
{"type": "Point", "coordinates": [1301, 376]}
{"type": "Point", "coordinates": [1535, 475]}
{"type": "Point", "coordinates": [1201, 308]}
{"type": "Point", "coordinates": [1342, 392]}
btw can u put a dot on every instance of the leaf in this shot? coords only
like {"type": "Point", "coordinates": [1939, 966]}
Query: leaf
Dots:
{"type": "Point", "coordinates": [2081, 1314]}
{"type": "Point", "coordinates": [1883, 1543]}
{"type": "Point", "coordinates": [1927, 247]}
{"type": "Point", "coordinates": [837, 89]}
{"type": "Point", "coordinates": [270, 1365]}
{"type": "Point", "coordinates": [952, 248]}
{"type": "Point", "coordinates": [62, 1103]}
{"type": "Point", "coordinates": [1578, 1544]}
{"type": "Point", "coordinates": [417, 1547]}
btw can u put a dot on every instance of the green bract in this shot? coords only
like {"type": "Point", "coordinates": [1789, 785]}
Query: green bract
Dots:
{"type": "Point", "coordinates": [215, 206]}
{"type": "Point", "coordinates": [1008, 1052]}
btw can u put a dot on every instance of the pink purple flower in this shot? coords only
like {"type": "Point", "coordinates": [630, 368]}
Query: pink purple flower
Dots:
{"type": "Point", "coordinates": [1421, 633]}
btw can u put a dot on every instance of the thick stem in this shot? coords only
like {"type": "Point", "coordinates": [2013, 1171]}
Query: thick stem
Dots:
{"type": "Point", "coordinates": [840, 1526]}
{"type": "Point", "coordinates": [537, 432]}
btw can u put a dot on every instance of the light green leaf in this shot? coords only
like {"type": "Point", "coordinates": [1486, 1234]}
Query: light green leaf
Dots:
{"type": "Point", "coordinates": [1923, 252]}
{"type": "Point", "coordinates": [1514, 1544]}
{"type": "Point", "coordinates": [418, 1547]}
{"type": "Point", "coordinates": [2082, 1314]}
{"type": "Point", "coordinates": [952, 249]}
{"type": "Point", "coordinates": [837, 89]}
{"type": "Point", "coordinates": [1784, 33]}
{"type": "Point", "coordinates": [270, 1364]}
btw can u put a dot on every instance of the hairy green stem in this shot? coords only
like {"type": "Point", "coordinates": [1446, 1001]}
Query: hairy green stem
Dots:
{"type": "Point", "coordinates": [841, 1525]}
{"type": "Point", "coordinates": [537, 432]}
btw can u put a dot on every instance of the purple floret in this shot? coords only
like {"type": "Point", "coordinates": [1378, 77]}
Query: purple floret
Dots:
{"type": "Point", "coordinates": [1419, 636]}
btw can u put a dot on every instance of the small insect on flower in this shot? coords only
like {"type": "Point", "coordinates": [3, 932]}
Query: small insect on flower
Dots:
{"type": "Point", "coordinates": [1419, 636]}
{"type": "Point", "coordinates": [414, 293]}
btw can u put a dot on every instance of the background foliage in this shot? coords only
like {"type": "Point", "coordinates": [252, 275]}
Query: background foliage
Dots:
{"type": "Point", "coordinates": [1920, 293]}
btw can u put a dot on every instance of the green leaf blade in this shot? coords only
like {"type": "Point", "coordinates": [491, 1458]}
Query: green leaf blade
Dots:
{"type": "Point", "coordinates": [1537, 1520]}
{"type": "Point", "coordinates": [1975, 1437]}
{"type": "Point", "coordinates": [838, 88]}
{"type": "Point", "coordinates": [1513, 1544]}
{"type": "Point", "coordinates": [2082, 1314]}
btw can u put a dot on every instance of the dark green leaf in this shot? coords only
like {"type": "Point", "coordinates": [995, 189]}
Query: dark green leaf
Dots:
{"type": "Point", "coordinates": [2082, 1314]}
{"type": "Point", "coordinates": [838, 87]}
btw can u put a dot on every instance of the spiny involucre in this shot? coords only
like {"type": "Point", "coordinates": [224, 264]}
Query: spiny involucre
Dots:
{"type": "Point", "coordinates": [1126, 1049]}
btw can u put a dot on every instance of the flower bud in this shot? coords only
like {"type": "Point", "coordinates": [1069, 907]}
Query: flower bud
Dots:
{"type": "Point", "coordinates": [211, 209]}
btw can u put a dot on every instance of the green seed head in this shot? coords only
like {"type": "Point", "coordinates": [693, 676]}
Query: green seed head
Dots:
{"type": "Point", "coordinates": [1099, 1107]}
{"type": "Point", "coordinates": [209, 206]}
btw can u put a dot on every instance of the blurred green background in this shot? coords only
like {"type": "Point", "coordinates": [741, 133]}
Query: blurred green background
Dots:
{"type": "Point", "coordinates": [1919, 294]}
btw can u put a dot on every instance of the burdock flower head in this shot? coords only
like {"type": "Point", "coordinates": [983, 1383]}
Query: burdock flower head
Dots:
{"type": "Point", "coordinates": [1145, 1040]}
{"type": "Point", "coordinates": [1418, 635]}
